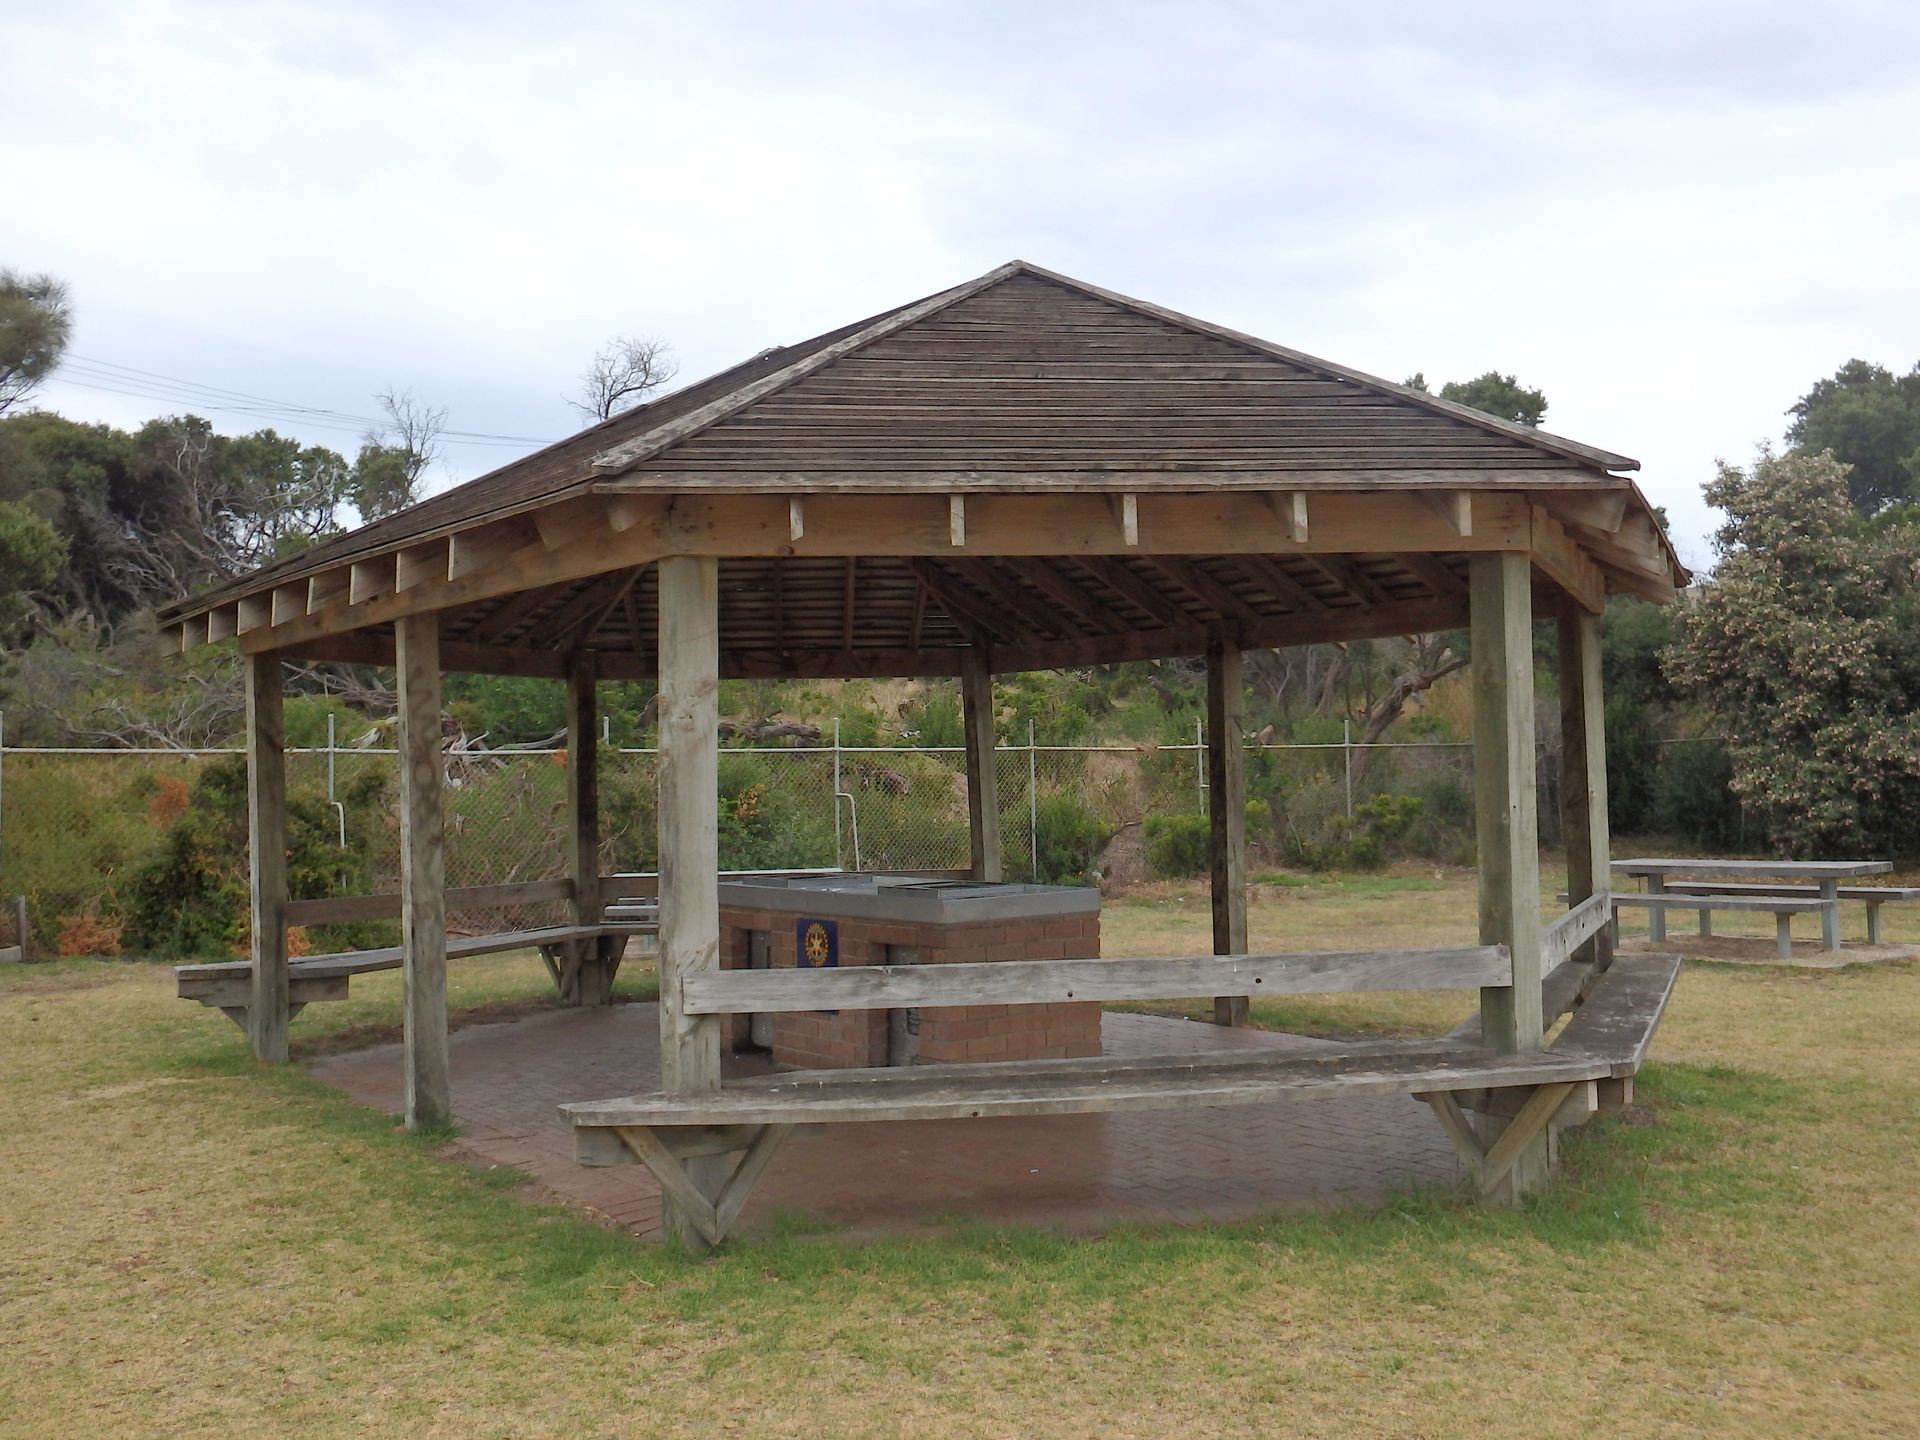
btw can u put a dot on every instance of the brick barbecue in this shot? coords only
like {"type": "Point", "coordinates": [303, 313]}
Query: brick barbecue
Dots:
{"type": "Point", "coordinates": [854, 919]}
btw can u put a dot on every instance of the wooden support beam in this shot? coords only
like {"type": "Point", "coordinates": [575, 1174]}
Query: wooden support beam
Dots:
{"type": "Point", "coordinates": [1505, 823]}
{"type": "Point", "coordinates": [1118, 577]}
{"type": "Point", "coordinates": [796, 519]}
{"type": "Point", "coordinates": [223, 621]}
{"type": "Point", "coordinates": [578, 521]}
{"type": "Point", "coordinates": [1604, 510]}
{"type": "Point", "coordinates": [957, 521]}
{"type": "Point", "coordinates": [1433, 573]}
{"type": "Point", "coordinates": [288, 602]}
{"type": "Point", "coordinates": [1556, 556]}
{"type": "Point", "coordinates": [689, 843]}
{"type": "Point", "coordinates": [976, 618]}
{"type": "Point", "coordinates": [1046, 525]}
{"type": "Point", "coordinates": [470, 552]}
{"type": "Point", "coordinates": [1268, 574]}
{"type": "Point", "coordinates": [1583, 784]}
{"type": "Point", "coordinates": [370, 580]}
{"type": "Point", "coordinates": [254, 613]}
{"type": "Point", "coordinates": [1226, 812]}
{"type": "Point", "coordinates": [594, 973]}
{"type": "Point", "coordinates": [270, 996]}
{"type": "Point", "coordinates": [849, 600]}
{"type": "Point", "coordinates": [1455, 507]}
{"type": "Point", "coordinates": [1290, 508]}
{"type": "Point", "coordinates": [1064, 593]}
{"type": "Point", "coordinates": [1033, 612]}
{"type": "Point", "coordinates": [1215, 594]}
{"type": "Point", "coordinates": [419, 565]}
{"type": "Point", "coordinates": [327, 589]}
{"type": "Point", "coordinates": [983, 779]}
{"type": "Point", "coordinates": [423, 875]}
{"type": "Point", "coordinates": [1126, 514]}
{"type": "Point", "coordinates": [1351, 578]}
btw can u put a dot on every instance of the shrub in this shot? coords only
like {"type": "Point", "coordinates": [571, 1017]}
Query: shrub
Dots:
{"type": "Point", "coordinates": [1694, 796]}
{"type": "Point", "coordinates": [1070, 837]}
{"type": "Point", "coordinates": [1177, 845]}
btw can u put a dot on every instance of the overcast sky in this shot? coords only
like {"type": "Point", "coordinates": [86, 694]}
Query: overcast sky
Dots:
{"type": "Point", "coordinates": [1670, 217]}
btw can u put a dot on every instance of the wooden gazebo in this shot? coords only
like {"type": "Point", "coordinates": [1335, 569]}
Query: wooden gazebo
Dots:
{"type": "Point", "coordinates": [1023, 472]}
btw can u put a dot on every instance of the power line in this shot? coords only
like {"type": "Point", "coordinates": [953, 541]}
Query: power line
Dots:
{"type": "Point", "coordinates": [116, 379]}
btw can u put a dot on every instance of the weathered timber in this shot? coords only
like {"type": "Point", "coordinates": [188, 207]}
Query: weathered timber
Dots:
{"type": "Point", "coordinates": [1583, 788]}
{"type": "Point", "coordinates": [983, 784]}
{"type": "Point", "coordinates": [423, 876]}
{"type": "Point", "coordinates": [1035, 982]}
{"type": "Point", "coordinates": [1226, 814]}
{"type": "Point", "coordinates": [1505, 824]}
{"type": "Point", "coordinates": [269, 994]}
{"type": "Point", "coordinates": [386, 905]}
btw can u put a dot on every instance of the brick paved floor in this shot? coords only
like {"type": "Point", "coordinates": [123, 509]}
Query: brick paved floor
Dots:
{"type": "Point", "coordinates": [1074, 1172]}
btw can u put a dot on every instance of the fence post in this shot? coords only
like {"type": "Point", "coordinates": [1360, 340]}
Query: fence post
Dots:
{"type": "Point", "coordinates": [1346, 757]}
{"type": "Point", "coordinates": [1033, 802]}
{"type": "Point", "coordinates": [839, 850]}
{"type": "Point", "coordinates": [1200, 763]}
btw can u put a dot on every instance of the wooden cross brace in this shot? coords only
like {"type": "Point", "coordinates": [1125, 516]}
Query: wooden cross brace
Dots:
{"type": "Point", "coordinates": [711, 1218]}
{"type": "Point", "coordinates": [1487, 1165]}
{"type": "Point", "coordinates": [583, 970]}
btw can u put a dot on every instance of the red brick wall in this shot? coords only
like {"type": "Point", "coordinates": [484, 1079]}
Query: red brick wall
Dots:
{"type": "Point", "coordinates": [852, 1038]}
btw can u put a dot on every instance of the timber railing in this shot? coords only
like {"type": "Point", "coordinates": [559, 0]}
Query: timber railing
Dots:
{"type": "Point", "coordinates": [1572, 930]}
{"type": "Point", "coordinates": [1039, 982]}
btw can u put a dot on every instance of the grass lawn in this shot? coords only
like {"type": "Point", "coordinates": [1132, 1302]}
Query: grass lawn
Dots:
{"type": "Point", "coordinates": [190, 1245]}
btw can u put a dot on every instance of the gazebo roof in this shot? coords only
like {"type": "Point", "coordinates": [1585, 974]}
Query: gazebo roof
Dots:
{"type": "Point", "coordinates": [992, 465]}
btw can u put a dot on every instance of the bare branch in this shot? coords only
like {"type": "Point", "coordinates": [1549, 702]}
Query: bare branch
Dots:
{"type": "Point", "coordinates": [627, 370]}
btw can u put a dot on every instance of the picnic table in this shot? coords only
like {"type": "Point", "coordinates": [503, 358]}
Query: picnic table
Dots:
{"type": "Point", "coordinates": [1825, 874]}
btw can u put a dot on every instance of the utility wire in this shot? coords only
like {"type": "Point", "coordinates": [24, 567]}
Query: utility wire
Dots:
{"type": "Point", "coordinates": [105, 375]}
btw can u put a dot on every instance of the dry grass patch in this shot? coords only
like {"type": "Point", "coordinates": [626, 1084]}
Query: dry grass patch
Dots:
{"type": "Point", "coordinates": [192, 1246]}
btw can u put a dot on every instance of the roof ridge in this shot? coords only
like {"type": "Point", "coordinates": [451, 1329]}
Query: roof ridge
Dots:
{"type": "Point", "coordinates": [1546, 440]}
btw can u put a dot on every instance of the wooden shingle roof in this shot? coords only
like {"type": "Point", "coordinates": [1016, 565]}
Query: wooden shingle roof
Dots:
{"type": "Point", "coordinates": [1021, 383]}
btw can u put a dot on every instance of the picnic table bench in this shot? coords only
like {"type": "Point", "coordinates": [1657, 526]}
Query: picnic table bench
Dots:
{"type": "Point", "coordinates": [1558, 1084]}
{"type": "Point", "coordinates": [1792, 887]}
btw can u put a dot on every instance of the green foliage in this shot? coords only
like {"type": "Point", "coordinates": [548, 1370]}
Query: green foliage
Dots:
{"type": "Point", "coordinates": [189, 899]}
{"type": "Point", "coordinates": [935, 719]}
{"type": "Point", "coordinates": [35, 324]}
{"type": "Point", "coordinates": [1071, 838]}
{"type": "Point", "coordinates": [766, 825]}
{"type": "Point", "coordinates": [1870, 419]}
{"type": "Point", "coordinates": [1806, 651]}
{"type": "Point", "coordinates": [507, 709]}
{"type": "Point", "coordinates": [1177, 845]}
{"type": "Point", "coordinates": [31, 554]}
{"type": "Point", "coordinates": [1496, 394]}
{"type": "Point", "coordinates": [1695, 799]}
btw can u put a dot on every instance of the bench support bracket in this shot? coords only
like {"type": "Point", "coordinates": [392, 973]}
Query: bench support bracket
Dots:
{"type": "Point", "coordinates": [1488, 1165]}
{"type": "Point", "coordinates": [710, 1218]}
{"type": "Point", "coordinates": [583, 970]}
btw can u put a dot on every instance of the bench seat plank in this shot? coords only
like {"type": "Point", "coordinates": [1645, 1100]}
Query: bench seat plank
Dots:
{"type": "Point", "coordinates": [904, 1093]}
{"type": "Point", "coordinates": [1617, 1022]}
{"type": "Point", "coordinates": [391, 957]}
{"type": "Point", "coordinates": [1879, 893]}
{"type": "Point", "coordinates": [1777, 905]}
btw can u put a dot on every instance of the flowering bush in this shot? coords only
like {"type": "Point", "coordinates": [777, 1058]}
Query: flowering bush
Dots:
{"type": "Point", "coordinates": [1805, 649]}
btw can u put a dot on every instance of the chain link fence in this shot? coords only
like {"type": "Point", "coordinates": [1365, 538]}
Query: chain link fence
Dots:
{"type": "Point", "coordinates": [98, 838]}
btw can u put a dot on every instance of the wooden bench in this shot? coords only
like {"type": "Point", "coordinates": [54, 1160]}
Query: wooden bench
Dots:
{"type": "Point", "coordinates": [1874, 896]}
{"type": "Point", "coordinates": [1558, 1084]}
{"type": "Point", "coordinates": [228, 985]}
{"type": "Point", "coordinates": [1782, 907]}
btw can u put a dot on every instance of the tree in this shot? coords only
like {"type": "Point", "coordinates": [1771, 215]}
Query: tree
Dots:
{"type": "Point", "coordinates": [394, 459]}
{"type": "Point", "coordinates": [1494, 393]}
{"type": "Point", "coordinates": [31, 554]}
{"type": "Point", "coordinates": [1870, 419]}
{"type": "Point", "coordinates": [35, 321]}
{"type": "Point", "coordinates": [627, 370]}
{"type": "Point", "coordinates": [1805, 648]}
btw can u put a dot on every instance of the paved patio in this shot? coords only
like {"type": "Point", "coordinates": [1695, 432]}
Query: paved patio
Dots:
{"type": "Point", "coordinates": [1074, 1172]}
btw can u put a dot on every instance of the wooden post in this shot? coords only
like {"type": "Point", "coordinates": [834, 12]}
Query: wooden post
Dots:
{"type": "Point", "coordinates": [593, 966]}
{"type": "Point", "coordinates": [689, 842]}
{"type": "Point", "coordinates": [423, 873]}
{"type": "Point", "coordinates": [268, 1009]}
{"type": "Point", "coordinates": [983, 776]}
{"type": "Point", "coordinates": [1583, 783]}
{"type": "Point", "coordinates": [1506, 823]}
{"type": "Point", "coordinates": [1226, 813]}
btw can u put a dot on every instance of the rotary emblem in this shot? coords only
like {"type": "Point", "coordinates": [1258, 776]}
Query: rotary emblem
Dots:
{"type": "Point", "coordinates": [816, 945]}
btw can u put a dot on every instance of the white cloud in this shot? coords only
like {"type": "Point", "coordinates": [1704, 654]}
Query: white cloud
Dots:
{"type": "Point", "coordinates": [1672, 220]}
